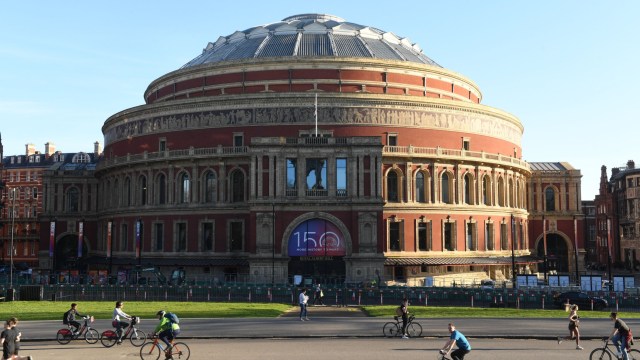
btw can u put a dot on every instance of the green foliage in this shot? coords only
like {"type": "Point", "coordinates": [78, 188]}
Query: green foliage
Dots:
{"type": "Point", "coordinates": [48, 310]}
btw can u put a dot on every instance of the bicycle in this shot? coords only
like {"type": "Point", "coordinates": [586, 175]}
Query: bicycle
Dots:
{"type": "Point", "coordinates": [442, 355]}
{"type": "Point", "coordinates": [136, 337]}
{"type": "Point", "coordinates": [91, 335]}
{"type": "Point", "coordinates": [608, 351]}
{"type": "Point", "coordinates": [153, 350]}
{"type": "Point", "coordinates": [393, 329]}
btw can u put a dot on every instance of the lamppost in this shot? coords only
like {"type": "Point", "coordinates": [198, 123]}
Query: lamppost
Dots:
{"type": "Point", "coordinates": [575, 239]}
{"type": "Point", "coordinates": [13, 220]}
{"type": "Point", "coordinates": [544, 244]}
{"type": "Point", "coordinates": [609, 249]}
{"type": "Point", "coordinates": [513, 255]}
{"type": "Point", "coordinates": [273, 244]}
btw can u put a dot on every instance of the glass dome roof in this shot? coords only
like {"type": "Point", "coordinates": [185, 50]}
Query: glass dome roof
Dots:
{"type": "Point", "coordinates": [311, 35]}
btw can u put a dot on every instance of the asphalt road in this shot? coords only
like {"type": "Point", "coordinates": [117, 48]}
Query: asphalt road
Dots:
{"type": "Point", "coordinates": [323, 349]}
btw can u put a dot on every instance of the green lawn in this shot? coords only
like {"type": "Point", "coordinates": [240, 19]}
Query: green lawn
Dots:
{"type": "Point", "coordinates": [48, 310]}
{"type": "Point", "coordinates": [465, 312]}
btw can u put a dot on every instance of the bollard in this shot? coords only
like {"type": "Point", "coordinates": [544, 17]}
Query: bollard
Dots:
{"type": "Point", "coordinates": [471, 300]}
{"type": "Point", "coordinates": [616, 304]}
{"type": "Point", "coordinates": [542, 301]}
{"type": "Point", "coordinates": [380, 297]}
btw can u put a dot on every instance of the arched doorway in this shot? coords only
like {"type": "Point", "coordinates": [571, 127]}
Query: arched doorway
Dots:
{"type": "Point", "coordinates": [557, 253]}
{"type": "Point", "coordinates": [316, 248]}
{"type": "Point", "coordinates": [66, 253]}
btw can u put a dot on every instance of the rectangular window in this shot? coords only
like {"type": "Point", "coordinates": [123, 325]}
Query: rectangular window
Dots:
{"type": "Point", "coordinates": [236, 236]}
{"type": "Point", "coordinates": [341, 177]}
{"type": "Point", "coordinates": [471, 236]}
{"type": "Point", "coordinates": [488, 236]}
{"type": "Point", "coordinates": [449, 236]}
{"type": "Point", "coordinates": [466, 144]}
{"type": "Point", "coordinates": [181, 237]}
{"type": "Point", "coordinates": [162, 146]}
{"type": "Point", "coordinates": [504, 240]}
{"type": "Point", "coordinates": [392, 139]}
{"type": "Point", "coordinates": [316, 171]}
{"type": "Point", "coordinates": [124, 237]}
{"type": "Point", "coordinates": [207, 236]}
{"type": "Point", "coordinates": [292, 182]}
{"type": "Point", "coordinates": [394, 236]}
{"type": "Point", "coordinates": [158, 243]}
{"type": "Point", "coordinates": [33, 248]}
{"type": "Point", "coordinates": [424, 236]}
{"type": "Point", "coordinates": [522, 238]}
{"type": "Point", "coordinates": [238, 140]}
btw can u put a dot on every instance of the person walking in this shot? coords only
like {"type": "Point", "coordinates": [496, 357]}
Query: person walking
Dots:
{"type": "Point", "coordinates": [574, 324]}
{"type": "Point", "coordinates": [303, 299]}
{"type": "Point", "coordinates": [318, 295]}
{"type": "Point", "coordinates": [457, 338]}
{"type": "Point", "coordinates": [10, 340]}
{"type": "Point", "coordinates": [620, 335]}
{"type": "Point", "coordinates": [117, 323]}
{"type": "Point", "coordinates": [404, 309]}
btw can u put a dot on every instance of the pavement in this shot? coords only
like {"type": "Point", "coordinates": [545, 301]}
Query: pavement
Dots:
{"type": "Point", "coordinates": [346, 322]}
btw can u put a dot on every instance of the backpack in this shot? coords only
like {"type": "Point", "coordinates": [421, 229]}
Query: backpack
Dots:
{"type": "Point", "coordinates": [399, 311]}
{"type": "Point", "coordinates": [173, 318]}
{"type": "Point", "coordinates": [65, 317]}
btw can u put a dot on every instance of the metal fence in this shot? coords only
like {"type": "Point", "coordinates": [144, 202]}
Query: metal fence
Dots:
{"type": "Point", "coordinates": [341, 296]}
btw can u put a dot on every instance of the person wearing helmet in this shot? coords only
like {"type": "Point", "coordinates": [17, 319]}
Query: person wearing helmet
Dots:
{"type": "Point", "coordinates": [166, 331]}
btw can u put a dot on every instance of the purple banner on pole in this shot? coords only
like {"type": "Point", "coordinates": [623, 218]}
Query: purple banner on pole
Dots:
{"type": "Point", "coordinates": [316, 237]}
{"type": "Point", "coordinates": [138, 223]}
{"type": "Point", "coordinates": [80, 238]}
{"type": "Point", "coordinates": [52, 237]}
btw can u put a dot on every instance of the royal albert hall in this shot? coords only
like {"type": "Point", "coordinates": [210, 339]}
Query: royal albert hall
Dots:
{"type": "Point", "coordinates": [318, 147]}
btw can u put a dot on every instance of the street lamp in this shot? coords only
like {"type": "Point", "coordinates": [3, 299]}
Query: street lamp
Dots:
{"type": "Point", "coordinates": [609, 248]}
{"type": "Point", "coordinates": [13, 220]}
{"type": "Point", "coordinates": [273, 244]}
{"type": "Point", "coordinates": [513, 255]}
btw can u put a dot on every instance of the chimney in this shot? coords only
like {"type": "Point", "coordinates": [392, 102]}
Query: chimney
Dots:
{"type": "Point", "coordinates": [31, 149]}
{"type": "Point", "coordinates": [615, 171]}
{"type": "Point", "coordinates": [97, 149]}
{"type": "Point", "coordinates": [631, 164]}
{"type": "Point", "coordinates": [49, 149]}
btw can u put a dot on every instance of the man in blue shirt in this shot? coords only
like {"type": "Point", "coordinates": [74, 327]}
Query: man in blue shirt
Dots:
{"type": "Point", "coordinates": [458, 339]}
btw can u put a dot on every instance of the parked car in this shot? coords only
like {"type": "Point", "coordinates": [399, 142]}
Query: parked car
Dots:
{"type": "Point", "coordinates": [487, 284]}
{"type": "Point", "coordinates": [583, 300]}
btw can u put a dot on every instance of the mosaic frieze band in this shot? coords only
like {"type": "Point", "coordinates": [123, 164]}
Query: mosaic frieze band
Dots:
{"type": "Point", "coordinates": [452, 121]}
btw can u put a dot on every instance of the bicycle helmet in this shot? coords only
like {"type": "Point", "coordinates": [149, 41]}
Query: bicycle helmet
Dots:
{"type": "Point", "coordinates": [161, 313]}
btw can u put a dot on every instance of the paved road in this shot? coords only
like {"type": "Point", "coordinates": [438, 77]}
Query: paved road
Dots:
{"type": "Point", "coordinates": [323, 349]}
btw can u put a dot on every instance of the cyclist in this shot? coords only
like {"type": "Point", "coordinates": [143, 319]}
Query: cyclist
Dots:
{"type": "Point", "coordinates": [117, 323]}
{"type": "Point", "coordinates": [404, 308]}
{"type": "Point", "coordinates": [620, 335]}
{"type": "Point", "coordinates": [70, 316]}
{"type": "Point", "coordinates": [166, 331]}
{"type": "Point", "coordinates": [458, 339]}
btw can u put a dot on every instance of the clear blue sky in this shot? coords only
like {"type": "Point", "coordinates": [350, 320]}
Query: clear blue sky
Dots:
{"type": "Point", "coordinates": [567, 69]}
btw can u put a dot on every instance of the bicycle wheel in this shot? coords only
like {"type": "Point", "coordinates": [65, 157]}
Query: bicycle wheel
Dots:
{"type": "Point", "coordinates": [108, 338]}
{"type": "Point", "coordinates": [414, 329]}
{"type": "Point", "coordinates": [600, 354]}
{"type": "Point", "coordinates": [92, 336]}
{"type": "Point", "coordinates": [64, 336]}
{"type": "Point", "coordinates": [390, 329]}
{"type": "Point", "coordinates": [634, 354]}
{"type": "Point", "coordinates": [137, 338]}
{"type": "Point", "coordinates": [150, 351]}
{"type": "Point", "coordinates": [180, 351]}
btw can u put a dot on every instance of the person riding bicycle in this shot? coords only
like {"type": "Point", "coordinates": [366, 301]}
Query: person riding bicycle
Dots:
{"type": "Point", "coordinates": [117, 323]}
{"type": "Point", "coordinates": [620, 335]}
{"type": "Point", "coordinates": [458, 339]}
{"type": "Point", "coordinates": [70, 317]}
{"type": "Point", "coordinates": [166, 331]}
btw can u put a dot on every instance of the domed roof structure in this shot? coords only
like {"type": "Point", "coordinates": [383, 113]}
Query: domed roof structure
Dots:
{"type": "Point", "coordinates": [311, 35]}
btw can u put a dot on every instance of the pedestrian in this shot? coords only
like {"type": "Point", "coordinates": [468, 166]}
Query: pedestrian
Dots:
{"type": "Point", "coordinates": [318, 295]}
{"type": "Point", "coordinates": [10, 339]}
{"type": "Point", "coordinates": [620, 336]}
{"type": "Point", "coordinates": [303, 299]}
{"type": "Point", "coordinates": [117, 323]}
{"type": "Point", "coordinates": [404, 312]}
{"type": "Point", "coordinates": [457, 338]}
{"type": "Point", "coordinates": [574, 324]}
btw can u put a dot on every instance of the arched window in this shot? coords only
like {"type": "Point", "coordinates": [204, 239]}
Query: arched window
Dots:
{"type": "Point", "coordinates": [73, 200]}
{"type": "Point", "coordinates": [500, 192]}
{"type": "Point", "coordinates": [142, 183]}
{"type": "Point", "coordinates": [447, 196]}
{"type": "Point", "coordinates": [161, 189]}
{"type": "Point", "coordinates": [237, 186]}
{"type": "Point", "coordinates": [468, 189]}
{"type": "Point", "coordinates": [421, 193]}
{"type": "Point", "coordinates": [127, 192]}
{"type": "Point", "coordinates": [486, 190]}
{"type": "Point", "coordinates": [184, 188]}
{"type": "Point", "coordinates": [392, 187]}
{"type": "Point", "coordinates": [512, 194]}
{"type": "Point", "coordinates": [210, 187]}
{"type": "Point", "coordinates": [107, 199]}
{"type": "Point", "coordinates": [550, 199]}
{"type": "Point", "coordinates": [116, 194]}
